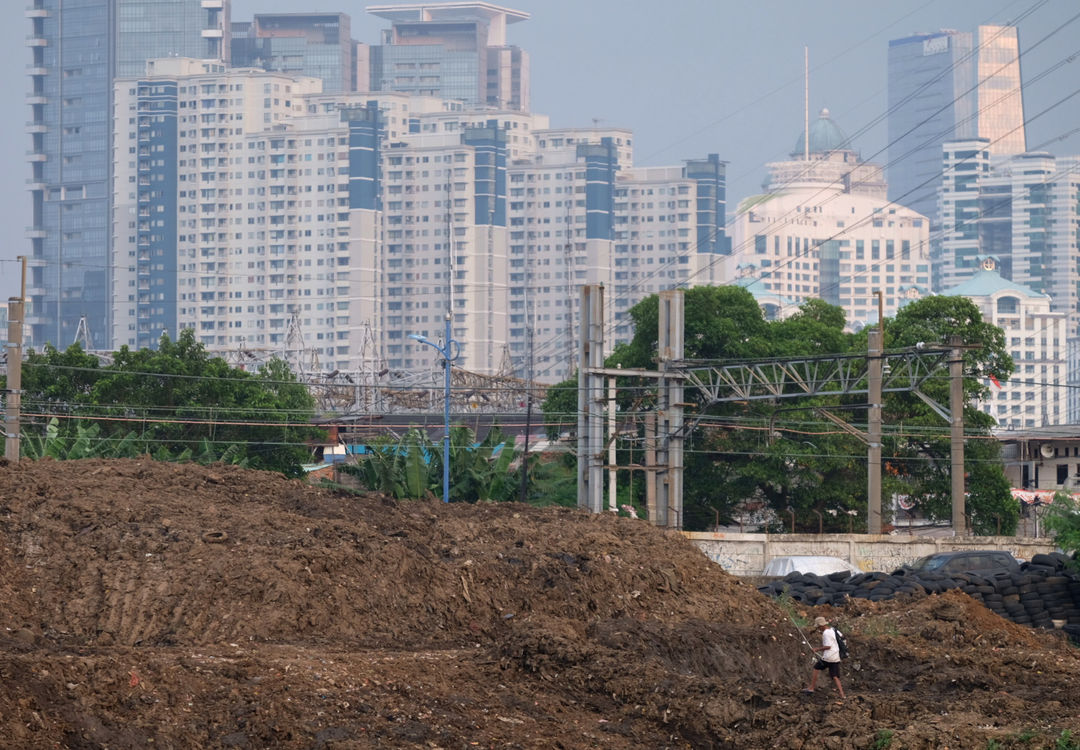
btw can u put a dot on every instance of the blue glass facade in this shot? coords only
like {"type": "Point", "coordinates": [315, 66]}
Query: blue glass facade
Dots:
{"type": "Point", "coordinates": [71, 82]}
{"type": "Point", "coordinates": [146, 29]}
{"type": "Point", "coordinates": [317, 45]}
{"type": "Point", "coordinates": [829, 271]}
{"type": "Point", "coordinates": [489, 145]}
{"type": "Point", "coordinates": [950, 86]}
{"type": "Point", "coordinates": [365, 131]}
{"type": "Point", "coordinates": [156, 248]}
{"type": "Point", "coordinates": [927, 73]}
{"type": "Point", "coordinates": [430, 70]}
{"type": "Point", "coordinates": [457, 52]}
{"type": "Point", "coordinates": [601, 163]}
{"type": "Point", "coordinates": [78, 47]}
{"type": "Point", "coordinates": [711, 177]}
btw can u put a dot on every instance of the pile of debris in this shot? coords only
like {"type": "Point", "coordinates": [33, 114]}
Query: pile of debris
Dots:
{"type": "Point", "coordinates": [1044, 593]}
{"type": "Point", "coordinates": [180, 606]}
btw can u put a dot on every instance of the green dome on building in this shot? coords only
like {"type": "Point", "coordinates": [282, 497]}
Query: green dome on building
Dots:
{"type": "Point", "coordinates": [825, 136]}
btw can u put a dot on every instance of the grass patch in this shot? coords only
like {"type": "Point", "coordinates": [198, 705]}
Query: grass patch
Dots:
{"type": "Point", "coordinates": [878, 626]}
{"type": "Point", "coordinates": [791, 608]}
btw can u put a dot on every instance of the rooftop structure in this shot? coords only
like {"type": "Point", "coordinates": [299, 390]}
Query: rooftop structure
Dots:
{"type": "Point", "coordinates": [311, 44]}
{"type": "Point", "coordinates": [1036, 337]}
{"type": "Point", "coordinates": [826, 230]}
{"type": "Point", "coordinates": [454, 50]}
{"type": "Point", "coordinates": [949, 85]}
{"type": "Point", "coordinates": [495, 16]}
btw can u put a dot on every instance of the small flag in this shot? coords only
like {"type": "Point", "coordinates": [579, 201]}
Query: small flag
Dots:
{"type": "Point", "coordinates": [996, 382]}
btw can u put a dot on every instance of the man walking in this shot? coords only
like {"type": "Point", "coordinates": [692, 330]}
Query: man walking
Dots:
{"type": "Point", "coordinates": [829, 659]}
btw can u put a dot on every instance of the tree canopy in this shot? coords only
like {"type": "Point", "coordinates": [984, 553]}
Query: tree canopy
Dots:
{"type": "Point", "coordinates": [777, 458]}
{"type": "Point", "coordinates": [919, 445]}
{"type": "Point", "coordinates": [1063, 519]}
{"type": "Point", "coordinates": [173, 402]}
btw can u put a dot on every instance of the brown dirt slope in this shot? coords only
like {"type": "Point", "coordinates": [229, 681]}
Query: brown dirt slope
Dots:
{"type": "Point", "coordinates": [157, 605]}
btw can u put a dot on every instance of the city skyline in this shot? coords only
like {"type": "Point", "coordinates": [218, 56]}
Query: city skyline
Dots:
{"type": "Point", "coordinates": [747, 120]}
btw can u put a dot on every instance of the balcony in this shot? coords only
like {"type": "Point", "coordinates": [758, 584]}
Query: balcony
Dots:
{"type": "Point", "coordinates": [36, 127]}
{"type": "Point", "coordinates": [213, 4]}
{"type": "Point", "coordinates": [212, 33]}
{"type": "Point", "coordinates": [35, 233]}
{"type": "Point", "coordinates": [33, 98]}
{"type": "Point", "coordinates": [41, 12]}
{"type": "Point", "coordinates": [36, 41]}
{"type": "Point", "coordinates": [35, 156]}
{"type": "Point", "coordinates": [36, 70]}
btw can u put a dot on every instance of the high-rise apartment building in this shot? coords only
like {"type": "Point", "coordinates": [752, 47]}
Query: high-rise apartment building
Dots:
{"type": "Point", "coordinates": [669, 232]}
{"type": "Point", "coordinates": [825, 229]}
{"type": "Point", "coordinates": [308, 44]}
{"type": "Point", "coordinates": [77, 49]}
{"type": "Point", "coordinates": [1036, 337]}
{"type": "Point", "coordinates": [1024, 209]}
{"type": "Point", "coordinates": [252, 207]}
{"type": "Point", "coordinates": [452, 50]}
{"type": "Point", "coordinates": [947, 86]}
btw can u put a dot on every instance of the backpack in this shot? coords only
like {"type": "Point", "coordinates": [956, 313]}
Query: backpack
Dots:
{"type": "Point", "coordinates": [841, 643]}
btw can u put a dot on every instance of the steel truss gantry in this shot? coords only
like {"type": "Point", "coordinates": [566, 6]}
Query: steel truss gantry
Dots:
{"type": "Point", "coordinates": [825, 375]}
{"type": "Point", "coordinates": [872, 375]}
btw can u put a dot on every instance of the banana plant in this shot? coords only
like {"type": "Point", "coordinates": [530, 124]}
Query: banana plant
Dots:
{"type": "Point", "coordinates": [412, 467]}
{"type": "Point", "coordinates": [50, 443]}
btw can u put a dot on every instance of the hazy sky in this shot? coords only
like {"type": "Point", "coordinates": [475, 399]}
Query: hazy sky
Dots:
{"type": "Point", "coordinates": [689, 77]}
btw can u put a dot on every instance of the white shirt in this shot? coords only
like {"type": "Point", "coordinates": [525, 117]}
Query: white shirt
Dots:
{"type": "Point", "coordinates": [832, 650]}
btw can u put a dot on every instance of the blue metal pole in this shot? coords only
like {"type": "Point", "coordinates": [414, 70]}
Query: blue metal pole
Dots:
{"type": "Point", "coordinates": [446, 416]}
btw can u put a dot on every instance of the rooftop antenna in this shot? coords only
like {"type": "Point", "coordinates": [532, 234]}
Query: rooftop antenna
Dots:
{"type": "Point", "coordinates": [806, 103]}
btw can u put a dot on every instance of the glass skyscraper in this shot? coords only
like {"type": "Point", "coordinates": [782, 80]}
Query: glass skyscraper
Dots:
{"type": "Point", "coordinates": [311, 44]}
{"type": "Point", "coordinates": [78, 47]}
{"type": "Point", "coordinates": [452, 51]}
{"type": "Point", "coordinates": [946, 86]}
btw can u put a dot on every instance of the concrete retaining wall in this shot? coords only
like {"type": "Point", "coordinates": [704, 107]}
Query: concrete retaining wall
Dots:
{"type": "Point", "coordinates": [747, 554]}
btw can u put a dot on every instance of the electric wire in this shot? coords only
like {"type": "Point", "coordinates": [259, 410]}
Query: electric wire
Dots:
{"type": "Point", "coordinates": [809, 167]}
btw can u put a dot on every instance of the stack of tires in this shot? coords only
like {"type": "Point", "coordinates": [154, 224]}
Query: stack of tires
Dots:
{"type": "Point", "coordinates": [1043, 591]}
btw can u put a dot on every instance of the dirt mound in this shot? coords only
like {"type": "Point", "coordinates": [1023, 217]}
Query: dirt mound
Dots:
{"type": "Point", "coordinates": [191, 607]}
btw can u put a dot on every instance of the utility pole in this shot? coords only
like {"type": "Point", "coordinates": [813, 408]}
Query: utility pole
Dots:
{"type": "Point", "coordinates": [450, 349]}
{"type": "Point", "coordinates": [670, 347]}
{"type": "Point", "coordinates": [449, 352]}
{"type": "Point", "coordinates": [956, 411]}
{"type": "Point", "coordinates": [528, 374]}
{"type": "Point", "coordinates": [613, 502]}
{"type": "Point", "coordinates": [16, 316]}
{"type": "Point", "coordinates": [591, 400]}
{"type": "Point", "coordinates": [876, 346]}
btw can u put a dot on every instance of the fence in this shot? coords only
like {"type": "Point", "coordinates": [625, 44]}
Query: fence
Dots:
{"type": "Point", "coordinates": [747, 554]}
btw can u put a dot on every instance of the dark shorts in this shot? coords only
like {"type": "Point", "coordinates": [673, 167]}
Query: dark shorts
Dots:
{"type": "Point", "coordinates": [832, 666]}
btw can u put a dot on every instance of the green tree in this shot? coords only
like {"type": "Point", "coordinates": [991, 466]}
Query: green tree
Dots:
{"type": "Point", "coordinates": [719, 322]}
{"type": "Point", "coordinates": [919, 446]}
{"type": "Point", "coordinates": [1062, 518]}
{"type": "Point", "coordinates": [553, 480]}
{"type": "Point", "coordinates": [175, 402]}
{"type": "Point", "coordinates": [727, 466]}
{"type": "Point", "coordinates": [560, 408]}
{"type": "Point", "coordinates": [781, 454]}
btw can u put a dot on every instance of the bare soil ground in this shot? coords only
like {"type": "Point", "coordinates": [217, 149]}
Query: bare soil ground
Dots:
{"type": "Point", "coordinates": [159, 605]}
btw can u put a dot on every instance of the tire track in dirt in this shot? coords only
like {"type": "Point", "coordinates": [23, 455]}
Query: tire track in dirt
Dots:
{"type": "Point", "coordinates": [313, 619]}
